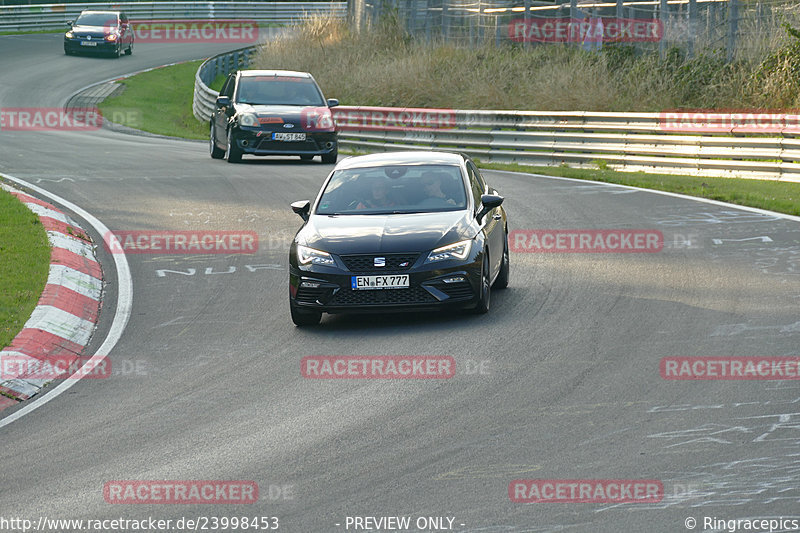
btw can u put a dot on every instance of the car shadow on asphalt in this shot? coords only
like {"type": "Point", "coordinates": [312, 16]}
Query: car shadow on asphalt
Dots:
{"type": "Point", "coordinates": [502, 309]}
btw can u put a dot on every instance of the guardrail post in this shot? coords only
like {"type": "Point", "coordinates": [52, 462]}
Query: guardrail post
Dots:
{"type": "Point", "coordinates": [733, 26]}
{"type": "Point", "coordinates": [692, 14]}
{"type": "Point", "coordinates": [527, 17]}
{"type": "Point", "coordinates": [663, 12]}
{"type": "Point", "coordinates": [445, 20]}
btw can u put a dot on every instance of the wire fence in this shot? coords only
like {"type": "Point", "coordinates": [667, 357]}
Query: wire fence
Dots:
{"type": "Point", "coordinates": [738, 27]}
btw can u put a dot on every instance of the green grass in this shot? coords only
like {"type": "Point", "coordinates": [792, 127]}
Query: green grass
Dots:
{"type": "Point", "coordinates": [159, 101]}
{"type": "Point", "coordinates": [24, 265]}
{"type": "Point", "coordinates": [782, 197]}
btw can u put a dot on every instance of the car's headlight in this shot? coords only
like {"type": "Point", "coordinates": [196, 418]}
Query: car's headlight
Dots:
{"type": "Point", "coordinates": [68, 35]}
{"type": "Point", "coordinates": [248, 119]}
{"type": "Point", "coordinates": [306, 255]}
{"type": "Point", "coordinates": [459, 250]}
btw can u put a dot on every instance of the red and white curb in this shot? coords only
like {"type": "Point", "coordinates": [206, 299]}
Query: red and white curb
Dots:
{"type": "Point", "coordinates": [64, 319]}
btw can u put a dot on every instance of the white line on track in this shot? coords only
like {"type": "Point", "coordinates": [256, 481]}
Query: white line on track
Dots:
{"type": "Point", "coordinates": [121, 315]}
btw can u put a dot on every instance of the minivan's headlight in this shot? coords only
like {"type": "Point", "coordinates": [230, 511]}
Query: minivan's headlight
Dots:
{"type": "Point", "coordinates": [248, 119]}
{"type": "Point", "coordinates": [459, 250]}
{"type": "Point", "coordinates": [68, 35]}
{"type": "Point", "coordinates": [306, 255]}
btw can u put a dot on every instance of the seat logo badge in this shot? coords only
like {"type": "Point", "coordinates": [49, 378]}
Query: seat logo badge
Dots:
{"type": "Point", "coordinates": [379, 262]}
{"type": "Point", "coordinates": [288, 125]}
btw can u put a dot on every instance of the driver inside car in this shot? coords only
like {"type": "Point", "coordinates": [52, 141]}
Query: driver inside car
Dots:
{"type": "Point", "coordinates": [378, 197]}
{"type": "Point", "coordinates": [432, 185]}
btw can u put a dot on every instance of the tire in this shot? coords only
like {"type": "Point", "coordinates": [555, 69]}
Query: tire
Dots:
{"type": "Point", "coordinates": [305, 318]}
{"type": "Point", "coordinates": [216, 151]}
{"type": "Point", "coordinates": [233, 154]}
{"type": "Point", "coordinates": [501, 282]}
{"type": "Point", "coordinates": [306, 157]}
{"type": "Point", "coordinates": [331, 157]}
{"type": "Point", "coordinates": [485, 298]}
{"type": "Point", "coordinates": [129, 50]}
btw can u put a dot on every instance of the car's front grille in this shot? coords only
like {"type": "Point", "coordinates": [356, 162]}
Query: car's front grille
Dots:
{"type": "Point", "coordinates": [366, 263]}
{"type": "Point", "coordinates": [413, 295]}
{"type": "Point", "coordinates": [280, 146]}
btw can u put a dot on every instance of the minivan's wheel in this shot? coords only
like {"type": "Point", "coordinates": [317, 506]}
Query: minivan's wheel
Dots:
{"type": "Point", "coordinates": [486, 291]}
{"type": "Point", "coordinates": [305, 318]}
{"type": "Point", "coordinates": [129, 50]}
{"type": "Point", "coordinates": [502, 278]}
{"type": "Point", "coordinates": [233, 154]}
{"type": "Point", "coordinates": [331, 157]}
{"type": "Point", "coordinates": [216, 151]}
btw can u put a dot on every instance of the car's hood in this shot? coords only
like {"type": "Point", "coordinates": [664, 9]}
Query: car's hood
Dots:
{"type": "Point", "coordinates": [364, 234]}
{"type": "Point", "coordinates": [94, 31]}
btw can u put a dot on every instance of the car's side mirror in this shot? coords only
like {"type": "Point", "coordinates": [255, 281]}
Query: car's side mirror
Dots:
{"type": "Point", "coordinates": [70, 23]}
{"type": "Point", "coordinates": [302, 208]}
{"type": "Point", "coordinates": [489, 201]}
{"type": "Point", "coordinates": [223, 101]}
{"type": "Point", "coordinates": [333, 102]}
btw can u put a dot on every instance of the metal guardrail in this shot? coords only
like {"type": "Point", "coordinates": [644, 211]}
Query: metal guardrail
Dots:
{"type": "Point", "coordinates": [204, 97]}
{"type": "Point", "coordinates": [622, 141]}
{"type": "Point", "coordinates": [55, 16]}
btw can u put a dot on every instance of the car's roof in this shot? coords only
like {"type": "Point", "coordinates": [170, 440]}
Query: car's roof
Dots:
{"type": "Point", "coordinates": [100, 11]}
{"type": "Point", "coordinates": [291, 73]}
{"type": "Point", "coordinates": [401, 158]}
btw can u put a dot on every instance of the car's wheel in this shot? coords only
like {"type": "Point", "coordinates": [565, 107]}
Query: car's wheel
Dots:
{"type": "Point", "coordinates": [331, 157]}
{"type": "Point", "coordinates": [302, 317]}
{"type": "Point", "coordinates": [306, 157]}
{"type": "Point", "coordinates": [233, 154]}
{"type": "Point", "coordinates": [502, 278]}
{"type": "Point", "coordinates": [216, 151]}
{"type": "Point", "coordinates": [486, 290]}
{"type": "Point", "coordinates": [129, 50]}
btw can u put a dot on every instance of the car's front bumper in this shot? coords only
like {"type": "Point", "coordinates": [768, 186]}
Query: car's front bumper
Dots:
{"type": "Point", "coordinates": [102, 46]}
{"type": "Point", "coordinates": [432, 286]}
{"type": "Point", "coordinates": [259, 142]}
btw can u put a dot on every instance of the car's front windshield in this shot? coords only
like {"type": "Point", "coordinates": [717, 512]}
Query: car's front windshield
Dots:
{"type": "Point", "coordinates": [394, 189]}
{"type": "Point", "coordinates": [278, 90]}
{"type": "Point", "coordinates": [107, 20]}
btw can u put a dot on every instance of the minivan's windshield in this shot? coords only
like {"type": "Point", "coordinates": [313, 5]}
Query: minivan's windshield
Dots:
{"type": "Point", "coordinates": [394, 189]}
{"type": "Point", "coordinates": [108, 20]}
{"type": "Point", "coordinates": [278, 90]}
